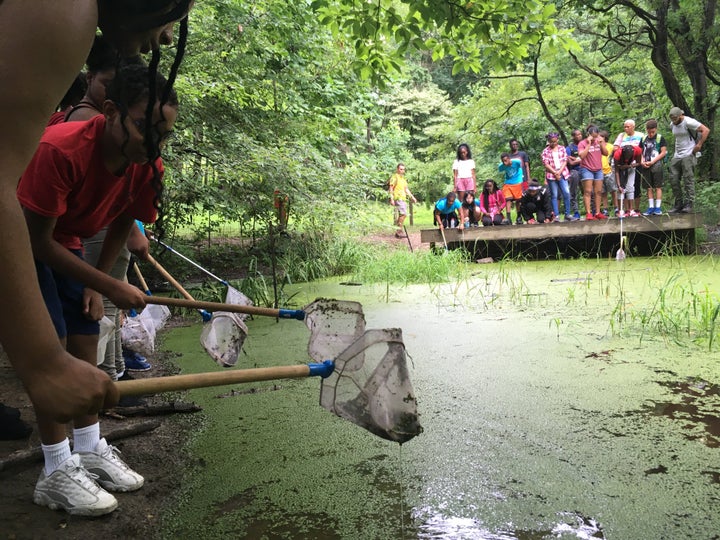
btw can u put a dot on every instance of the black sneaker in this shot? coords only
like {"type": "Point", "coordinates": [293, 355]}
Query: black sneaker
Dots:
{"type": "Point", "coordinates": [130, 401]}
{"type": "Point", "coordinates": [675, 209]}
{"type": "Point", "coordinates": [687, 209]}
{"type": "Point", "coordinates": [518, 221]}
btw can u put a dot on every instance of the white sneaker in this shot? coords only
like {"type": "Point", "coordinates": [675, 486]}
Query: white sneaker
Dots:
{"type": "Point", "coordinates": [73, 489]}
{"type": "Point", "coordinates": [111, 471]}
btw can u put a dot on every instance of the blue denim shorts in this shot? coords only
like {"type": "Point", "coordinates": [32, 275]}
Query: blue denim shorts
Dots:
{"type": "Point", "coordinates": [63, 297]}
{"type": "Point", "coordinates": [587, 174]}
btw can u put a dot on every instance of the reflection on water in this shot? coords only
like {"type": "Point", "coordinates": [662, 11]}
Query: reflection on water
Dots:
{"type": "Point", "coordinates": [698, 406]}
{"type": "Point", "coordinates": [571, 525]}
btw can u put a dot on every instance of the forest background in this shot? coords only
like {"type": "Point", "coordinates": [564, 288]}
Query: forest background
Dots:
{"type": "Point", "coordinates": [321, 99]}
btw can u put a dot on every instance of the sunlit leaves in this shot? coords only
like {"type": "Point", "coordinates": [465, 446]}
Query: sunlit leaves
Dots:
{"type": "Point", "coordinates": [383, 30]}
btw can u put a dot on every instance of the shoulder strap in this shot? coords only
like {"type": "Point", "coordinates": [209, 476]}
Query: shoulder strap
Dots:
{"type": "Point", "coordinates": [81, 105]}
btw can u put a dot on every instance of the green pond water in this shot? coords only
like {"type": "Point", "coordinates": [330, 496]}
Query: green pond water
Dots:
{"type": "Point", "coordinates": [571, 399]}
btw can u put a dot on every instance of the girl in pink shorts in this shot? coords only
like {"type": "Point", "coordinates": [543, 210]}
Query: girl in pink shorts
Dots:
{"type": "Point", "coordinates": [464, 172]}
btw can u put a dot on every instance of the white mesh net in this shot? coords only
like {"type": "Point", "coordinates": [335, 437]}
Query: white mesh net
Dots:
{"type": "Point", "coordinates": [370, 385]}
{"type": "Point", "coordinates": [334, 325]}
{"type": "Point", "coordinates": [138, 333]}
{"type": "Point", "coordinates": [223, 336]}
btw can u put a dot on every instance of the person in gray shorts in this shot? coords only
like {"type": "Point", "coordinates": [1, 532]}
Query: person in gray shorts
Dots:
{"type": "Point", "coordinates": [652, 167]}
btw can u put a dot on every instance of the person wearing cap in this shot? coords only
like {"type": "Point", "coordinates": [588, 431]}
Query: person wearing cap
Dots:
{"type": "Point", "coordinates": [536, 204]}
{"type": "Point", "coordinates": [690, 135]}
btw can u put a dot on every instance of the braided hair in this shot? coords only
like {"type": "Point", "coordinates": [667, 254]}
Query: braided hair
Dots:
{"type": "Point", "coordinates": [143, 15]}
{"type": "Point", "coordinates": [139, 16]}
{"type": "Point", "coordinates": [130, 86]}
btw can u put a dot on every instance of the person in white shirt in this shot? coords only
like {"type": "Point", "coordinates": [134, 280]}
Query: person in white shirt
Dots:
{"type": "Point", "coordinates": [464, 172]}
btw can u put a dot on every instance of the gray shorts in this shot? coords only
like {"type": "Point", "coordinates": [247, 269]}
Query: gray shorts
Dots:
{"type": "Point", "coordinates": [609, 185]}
{"type": "Point", "coordinates": [654, 177]}
{"type": "Point", "coordinates": [401, 207]}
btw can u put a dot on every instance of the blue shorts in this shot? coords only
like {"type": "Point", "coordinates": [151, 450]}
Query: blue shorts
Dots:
{"type": "Point", "coordinates": [63, 297]}
{"type": "Point", "coordinates": [587, 174]}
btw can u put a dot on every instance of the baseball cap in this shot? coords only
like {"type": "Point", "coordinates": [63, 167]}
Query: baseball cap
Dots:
{"type": "Point", "coordinates": [676, 111]}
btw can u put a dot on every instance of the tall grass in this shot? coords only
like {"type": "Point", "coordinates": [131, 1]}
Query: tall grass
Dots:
{"type": "Point", "coordinates": [402, 267]}
{"type": "Point", "coordinates": [317, 256]}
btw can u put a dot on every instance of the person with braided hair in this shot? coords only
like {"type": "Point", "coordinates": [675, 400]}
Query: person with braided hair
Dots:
{"type": "Point", "coordinates": [38, 72]}
{"type": "Point", "coordinates": [101, 64]}
{"type": "Point", "coordinates": [86, 176]}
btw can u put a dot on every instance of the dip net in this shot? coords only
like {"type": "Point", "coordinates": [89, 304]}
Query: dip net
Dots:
{"type": "Point", "coordinates": [370, 383]}
{"type": "Point", "coordinates": [138, 332]}
{"type": "Point", "coordinates": [223, 336]}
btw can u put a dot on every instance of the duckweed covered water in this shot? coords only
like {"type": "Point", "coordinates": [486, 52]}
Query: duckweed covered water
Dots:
{"type": "Point", "coordinates": [573, 399]}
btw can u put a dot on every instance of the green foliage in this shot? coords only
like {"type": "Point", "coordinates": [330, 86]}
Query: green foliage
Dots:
{"type": "Point", "coordinates": [267, 102]}
{"type": "Point", "coordinates": [271, 98]}
{"type": "Point", "coordinates": [707, 201]}
{"type": "Point", "coordinates": [487, 32]}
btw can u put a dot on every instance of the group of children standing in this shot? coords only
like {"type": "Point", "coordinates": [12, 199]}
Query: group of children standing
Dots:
{"type": "Point", "coordinates": [601, 172]}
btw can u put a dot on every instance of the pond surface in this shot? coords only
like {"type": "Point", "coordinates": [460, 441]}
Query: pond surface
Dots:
{"type": "Point", "coordinates": [571, 399]}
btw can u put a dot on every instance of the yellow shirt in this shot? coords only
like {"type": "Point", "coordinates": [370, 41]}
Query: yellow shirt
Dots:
{"type": "Point", "coordinates": [398, 185]}
{"type": "Point", "coordinates": [606, 168]}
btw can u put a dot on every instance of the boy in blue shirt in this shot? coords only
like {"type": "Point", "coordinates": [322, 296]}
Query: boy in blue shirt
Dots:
{"type": "Point", "coordinates": [446, 211]}
{"type": "Point", "coordinates": [512, 185]}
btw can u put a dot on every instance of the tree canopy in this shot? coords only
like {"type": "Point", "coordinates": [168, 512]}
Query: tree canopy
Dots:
{"type": "Point", "coordinates": [321, 99]}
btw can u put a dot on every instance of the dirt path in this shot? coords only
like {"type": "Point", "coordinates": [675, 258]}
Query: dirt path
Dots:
{"type": "Point", "coordinates": [156, 454]}
{"type": "Point", "coordinates": [391, 239]}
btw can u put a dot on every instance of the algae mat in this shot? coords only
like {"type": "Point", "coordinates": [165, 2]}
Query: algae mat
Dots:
{"type": "Point", "coordinates": [557, 403]}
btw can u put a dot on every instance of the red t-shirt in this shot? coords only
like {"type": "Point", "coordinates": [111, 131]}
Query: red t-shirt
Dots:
{"type": "Point", "coordinates": [636, 155]}
{"type": "Point", "coordinates": [593, 159]}
{"type": "Point", "coordinates": [67, 179]}
{"type": "Point", "coordinates": [57, 117]}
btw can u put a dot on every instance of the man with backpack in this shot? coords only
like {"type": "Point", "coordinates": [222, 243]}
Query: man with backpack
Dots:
{"type": "Point", "coordinates": [690, 135]}
{"type": "Point", "coordinates": [654, 155]}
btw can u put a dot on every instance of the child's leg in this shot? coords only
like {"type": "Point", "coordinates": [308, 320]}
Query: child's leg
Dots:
{"type": "Point", "coordinates": [587, 185]}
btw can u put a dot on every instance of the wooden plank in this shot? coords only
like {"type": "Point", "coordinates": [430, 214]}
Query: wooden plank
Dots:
{"type": "Point", "coordinates": [643, 224]}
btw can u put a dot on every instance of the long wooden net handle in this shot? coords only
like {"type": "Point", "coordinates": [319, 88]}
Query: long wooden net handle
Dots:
{"type": "Point", "coordinates": [232, 308]}
{"type": "Point", "coordinates": [154, 385]}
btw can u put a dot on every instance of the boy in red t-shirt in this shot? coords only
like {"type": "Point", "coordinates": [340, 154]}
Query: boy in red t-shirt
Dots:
{"type": "Point", "coordinates": [85, 176]}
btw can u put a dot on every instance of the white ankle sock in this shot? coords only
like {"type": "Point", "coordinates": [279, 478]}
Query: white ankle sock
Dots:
{"type": "Point", "coordinates": [651, 203]}
{"type": "Point", "coordinates": [55, 455]}
{"type": "Point", "coordinates": [86, 439]}
{"type": "Point", "coordinates": [658, 203]}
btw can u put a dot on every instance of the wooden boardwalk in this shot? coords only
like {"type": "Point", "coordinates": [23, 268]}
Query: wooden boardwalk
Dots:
{"type": "Point", "coordinates": [646, 235]}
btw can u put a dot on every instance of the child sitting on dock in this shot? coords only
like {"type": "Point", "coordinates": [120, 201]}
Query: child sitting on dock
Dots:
{"type": "Point", "coordinates": [446, 211]}
{"type": "Point", "coordinates": [470, 210]}
{"type": "Point", "coordinates": [536, 204]}
{"type": "Point", "coordinates": [492, 204]}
